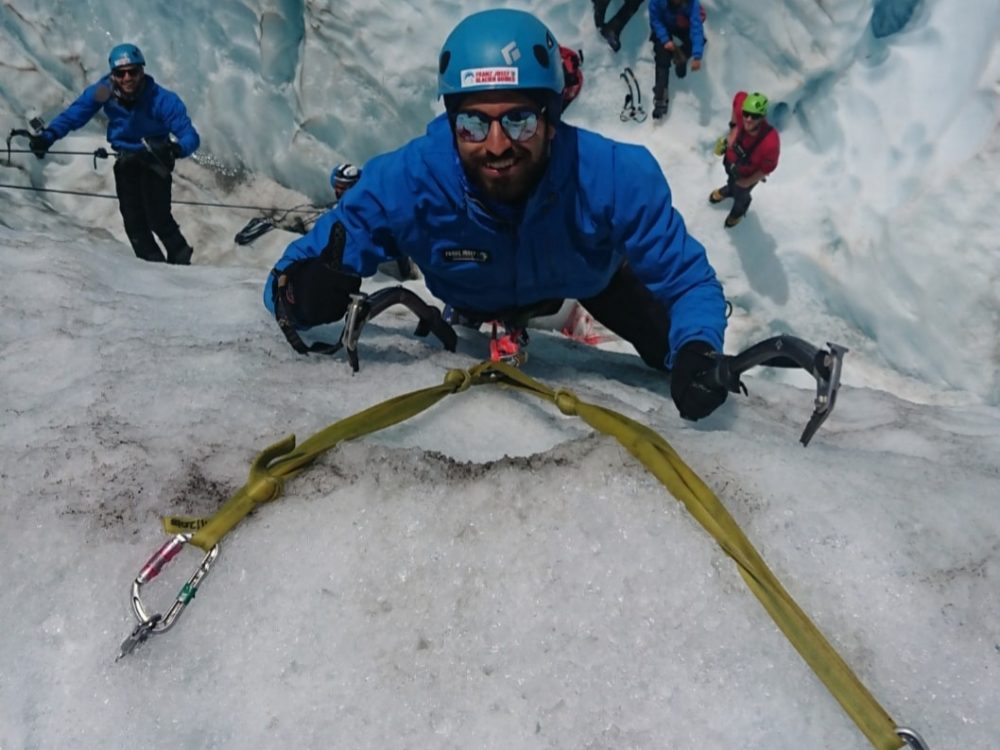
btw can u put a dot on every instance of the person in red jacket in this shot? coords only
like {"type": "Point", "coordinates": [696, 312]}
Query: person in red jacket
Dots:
{"type": "Point", "coordinates": [752, 149]}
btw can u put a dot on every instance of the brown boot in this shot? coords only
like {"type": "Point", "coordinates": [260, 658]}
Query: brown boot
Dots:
{"type": "Point", "coordinates": [732, 221]}
{"type": "Point", "coordinates": [719, 195]}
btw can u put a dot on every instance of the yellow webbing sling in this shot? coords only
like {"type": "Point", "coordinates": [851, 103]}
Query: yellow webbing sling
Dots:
{"type": "Point", "coordinates": [283, 460]}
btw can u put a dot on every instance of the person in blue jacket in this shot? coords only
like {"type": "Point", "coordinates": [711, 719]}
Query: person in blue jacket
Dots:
{"type": "Point", "coordinates": [670, 19]}
{"type": "Point", "coordinates": [508, 211]}
{"type": "Point", "coordinates": [142, 115]}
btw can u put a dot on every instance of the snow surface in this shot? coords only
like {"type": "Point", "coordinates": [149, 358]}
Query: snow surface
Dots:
{"type": "Point", "coordinates": [490, 574]}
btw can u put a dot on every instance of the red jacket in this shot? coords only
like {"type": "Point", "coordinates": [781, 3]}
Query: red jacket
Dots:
{"type": "Point", "coordinates": [763, 147]}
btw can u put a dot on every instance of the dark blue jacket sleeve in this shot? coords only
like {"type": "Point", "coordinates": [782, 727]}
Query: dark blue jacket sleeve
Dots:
{"type": "Point", "coordinates": [697, 31]}
{"type": "Point", "coordinates": [78, 114]}
{"type": "Point", "coordinates": [366, 210]}
{"type": "Point", "coordinates": [668, 260]}
{"type": "Point", "coordinates": [171, 110]}
{"type": "Point", "coordinates": [657, 21]}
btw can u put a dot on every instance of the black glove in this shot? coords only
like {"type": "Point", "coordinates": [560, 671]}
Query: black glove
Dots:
{"type": "Point", "coordinates": [693, 397]}
{"type": "Point", "coordinates": [315, 290]}
{"type": "Point", "coordinates": [41, 143]}
{"type": "Point", "coordinates": [165, 154]}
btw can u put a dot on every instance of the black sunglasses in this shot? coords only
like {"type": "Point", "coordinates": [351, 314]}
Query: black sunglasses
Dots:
{"type": "Point", "coordinates": [752, 115]}
{"type": "Point", "coordinates": [133, 72]}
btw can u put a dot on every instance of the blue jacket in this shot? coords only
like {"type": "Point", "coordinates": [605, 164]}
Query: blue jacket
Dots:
{"type": "Point", "coordinates": [663, 20]}
{"type": "Point", "coordinates": [155, 113]}
{"type": "Point", "coordinates": [599, 203]}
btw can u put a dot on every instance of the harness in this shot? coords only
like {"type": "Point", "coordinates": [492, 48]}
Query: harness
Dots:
{"type": "Point", "coordinates": [743, 154]}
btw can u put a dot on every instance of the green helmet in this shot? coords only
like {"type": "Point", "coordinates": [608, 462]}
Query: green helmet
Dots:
{"type": "Point", "coordinates": [755, 104]}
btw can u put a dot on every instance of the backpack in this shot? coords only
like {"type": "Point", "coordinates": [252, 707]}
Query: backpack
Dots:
{"type": "Point", "coordinates": [572, 62]}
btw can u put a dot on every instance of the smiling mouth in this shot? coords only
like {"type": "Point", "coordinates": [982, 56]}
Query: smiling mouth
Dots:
{"type": "Point", "coordinates": [500, 166]}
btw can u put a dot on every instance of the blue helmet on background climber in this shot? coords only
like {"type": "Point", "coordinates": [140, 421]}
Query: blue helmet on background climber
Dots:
{"type": "Point", "coordinates": [501, 49]}
{"type": "Point", "coordinates": [125, 54]}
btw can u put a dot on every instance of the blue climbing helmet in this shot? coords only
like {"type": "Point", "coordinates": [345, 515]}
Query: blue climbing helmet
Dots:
{"type": "Point", "coordinates": [498, 50]}
{"type": "Point", "coordinates": [125, 54]}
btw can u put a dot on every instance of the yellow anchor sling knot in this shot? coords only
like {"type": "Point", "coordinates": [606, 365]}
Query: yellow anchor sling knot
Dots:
{"type": "Point", "coordinates": [283, 460]}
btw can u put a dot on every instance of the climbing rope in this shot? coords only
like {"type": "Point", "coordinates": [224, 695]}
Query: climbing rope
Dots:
{"type": "Point", "coordinates": [284, 460]}
{"type": "Point", "coordinates": [300, 210]}
{"type": "Point", "coordinates": [103, 153]}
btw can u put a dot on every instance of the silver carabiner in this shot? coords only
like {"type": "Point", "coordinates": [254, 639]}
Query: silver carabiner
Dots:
{"type": "Point", "coordinates": [157, 623]}
{"type": "Point", "coordinates": [912, 739]}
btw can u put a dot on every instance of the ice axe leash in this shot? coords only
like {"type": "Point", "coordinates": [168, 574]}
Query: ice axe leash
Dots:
{"type": "Point", "coordinates": [284, 460]}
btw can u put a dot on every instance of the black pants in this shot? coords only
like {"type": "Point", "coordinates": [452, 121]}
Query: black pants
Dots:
{"type": "Point", "coordinates": [629, 309]}
{"type": "Point", "coordinates": [740, 195]}
{"type": "Point", "coordinates": [663, 60]}
{"type": "Point", "coordinates": [625, 306]}
{"type": "Point", "coordinates": [618, 21]}
{"type": "Point", "coordinates": [144, 202]}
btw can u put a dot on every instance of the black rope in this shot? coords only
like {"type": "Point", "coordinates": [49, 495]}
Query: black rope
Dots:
{"type": "Point", "coordinates": [313, 210]}
{"type": "Point", "coordinates": [61, 153]}
{"type": "Point", "coordinates": [102, 153]}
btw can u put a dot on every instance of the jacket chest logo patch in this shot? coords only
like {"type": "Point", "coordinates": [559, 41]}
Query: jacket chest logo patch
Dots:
{"type": "Point", "coordinates": [465, 255]}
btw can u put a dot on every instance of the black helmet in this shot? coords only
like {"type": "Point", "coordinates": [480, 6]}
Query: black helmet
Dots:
{"type": "Point", "coordinates": [344, 176]}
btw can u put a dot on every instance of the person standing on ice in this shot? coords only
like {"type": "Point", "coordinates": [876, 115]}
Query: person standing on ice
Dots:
{"type": "Point", "coordinates": [751, 153]}
{"type": "Point", "coordinates": [670, 19]}
{"type": "Point", "coordinates": [142, 115]}
{"type": "Point", "coordinates": [508, 211]}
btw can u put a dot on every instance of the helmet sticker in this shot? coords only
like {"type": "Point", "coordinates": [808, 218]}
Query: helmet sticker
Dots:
{"type": "Point", "coordinates": [511, 54]}
{"type": "Point", "coordinates": [488, 76]}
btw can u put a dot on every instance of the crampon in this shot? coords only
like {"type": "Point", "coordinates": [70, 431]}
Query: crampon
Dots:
{"type": "Point", "coordinates": [507, 344]}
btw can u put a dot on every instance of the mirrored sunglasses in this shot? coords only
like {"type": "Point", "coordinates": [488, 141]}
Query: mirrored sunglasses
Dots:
{"type": "Point", "coordinates": [133, 72]}
{"type": "Point", "coordinates": [521, 124]}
